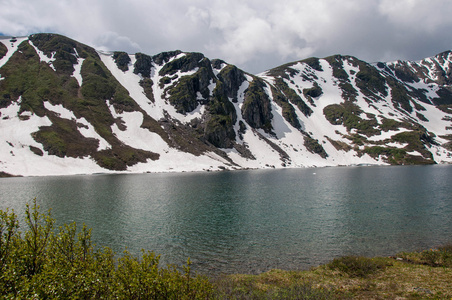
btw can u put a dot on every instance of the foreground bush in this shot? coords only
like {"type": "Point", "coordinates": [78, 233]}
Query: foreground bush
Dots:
{"type": "Point", "coordinates": [44, 263]}
{"type": "Point", "coordinates": [358, 266]}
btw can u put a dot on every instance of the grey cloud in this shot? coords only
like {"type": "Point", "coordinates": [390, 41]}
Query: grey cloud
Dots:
{"type": "Point", "coordinates": [255, 35]}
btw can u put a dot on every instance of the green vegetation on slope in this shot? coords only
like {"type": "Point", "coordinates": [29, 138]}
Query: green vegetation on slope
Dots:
{"type": "Point", "coordinates": [370, 81]}
{"type": "Point", "coordinates": [294, 98]}
{"type": "Point", "coordinates": [63, 50]}
{"type": "Point", "coordinates": [184, 64]}
{"type": "Point", "coordinates": [415, 140]}
{"type": "Point", "coordinates": [288, 111]}
{"type": "Point", "coordinates": [35, 82]}
{"type": "Point", "coordinates": [146, 84]}
{"type": "Point", "coordinates": [314, 63]}
{"type": "Point", "coordinates": [336, 62]}
{"type": "Point", "coordinates": [313, 146]}
{"type": "Point", "coordinates": [348, 114]}
{"type": "Point", "coordinates": [314, 92]}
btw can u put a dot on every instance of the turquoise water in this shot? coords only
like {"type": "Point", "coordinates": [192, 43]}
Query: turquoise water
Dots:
{"type": "Point", "coordinates": [252, 221]}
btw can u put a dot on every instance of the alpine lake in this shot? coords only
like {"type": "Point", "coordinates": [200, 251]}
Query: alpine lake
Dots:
{"type": "Point", "coordinates": [251, 221]}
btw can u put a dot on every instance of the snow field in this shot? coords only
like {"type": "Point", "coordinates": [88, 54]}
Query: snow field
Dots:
{"type": "Point", "coordinates": [11, 46]}
{"type": "Point", "coordinates": [77, 69]}
{"type": "Point", "coordinates": [16, 157]}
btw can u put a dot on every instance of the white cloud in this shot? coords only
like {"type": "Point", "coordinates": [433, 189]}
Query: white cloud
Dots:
{"type": "Point", "coordinates": [113, 41]}
{"type": "Point", "coordinates": [255, 35]}
{"type": "Point", "coordinates": [418, 14]}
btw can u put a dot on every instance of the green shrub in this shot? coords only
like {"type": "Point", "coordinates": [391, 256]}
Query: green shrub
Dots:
{"type": "Point", "coordinates": [53, 143]}
{"type": "Point", "coordinates": [183, 95]}
{"type": "Point", "coordinates": [164, 80]}
{"type": "Point", "coordinates": [164, 57]}
{"type": "Point", "coordinates": [44, 263]}
{"type": "Point", "coordinates": [336, 63]}
{"type": "Point", "coordinates": [438, 257]}
{"type": "Point", "coordinates": [390, 124]}
{"type": "Point", "coordinates": [313, 146]}
{"type": "Point", "coordinates": [358, 266]}
{"type": "Point", "coordinates": [399, 96]}
{"type": "Point", "coordinates": [348, 91]}
{"type": "Point", "coordinates": [314, 63]}
{"type": "Point", "coordinates": [184, 64]}
{"type": "Point", "coordinates": [348, 114]}
{"type": "Point", "coordinates": [370, 81]}
{"type": "Point", "coordinates": [421, 117]}
{"type": "Point", "coordinates": [122, 60]}
{"type": "Point", "coordinates": [314, 92]}
{"type": "Point", "coordinates": [294, 98]}
{"type": "Point", "coordinates": [288, 112]}
{"type": "Point", "coordinates": [147, 84]}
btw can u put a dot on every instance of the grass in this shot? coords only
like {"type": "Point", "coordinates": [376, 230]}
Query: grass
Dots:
{"type": "Point", "coordinates": [408, 275]}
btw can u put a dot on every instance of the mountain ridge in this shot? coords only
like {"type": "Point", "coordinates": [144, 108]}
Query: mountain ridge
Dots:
{"type": "Point", "coordinates": [69, 109]}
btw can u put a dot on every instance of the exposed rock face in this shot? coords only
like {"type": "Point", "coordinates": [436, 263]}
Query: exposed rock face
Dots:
{"type": "Point", "coordinates": [143, 65]}
{"type": "Point", "coordinates": [139, 112]}
{"type": "Point", "coordinates": [232, 78]}
{"type": "Point", "coordinates": [256, 109]}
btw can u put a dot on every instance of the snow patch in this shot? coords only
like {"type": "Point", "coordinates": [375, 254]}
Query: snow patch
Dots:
{"type": "Point", "coordinates": [11, 46]}
{"type": "Point", "coordinates": [43, 57]}
{"type": "Point", "coordinates": [136, 136]}
{"type": "Point", "coordinates": [397, 145]}
{"type": "Point", "coordinates": [386, 135]}
{"type": "Point", "coordinates": [415, 153]}
{"type": "Point", "coordinates": [77, 71]}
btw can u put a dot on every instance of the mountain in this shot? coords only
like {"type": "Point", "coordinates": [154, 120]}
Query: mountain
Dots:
{"type": "Point", "coordinates": [66, 108]}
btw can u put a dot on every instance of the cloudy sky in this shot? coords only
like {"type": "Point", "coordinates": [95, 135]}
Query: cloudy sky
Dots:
{"type": "Point", "coordinates": [253, 34]}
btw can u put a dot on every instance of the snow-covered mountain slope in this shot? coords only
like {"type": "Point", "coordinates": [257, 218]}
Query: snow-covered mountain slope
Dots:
{"type": "Point", "coordinates": [66, 108]}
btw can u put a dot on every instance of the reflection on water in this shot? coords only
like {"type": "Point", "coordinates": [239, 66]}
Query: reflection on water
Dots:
{"type": "Point", "coordinates": [252, 221]}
